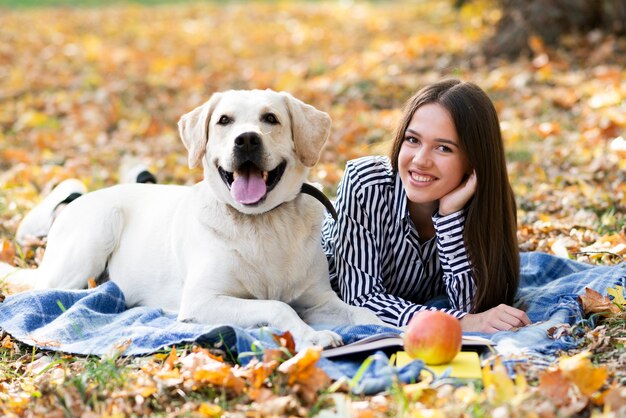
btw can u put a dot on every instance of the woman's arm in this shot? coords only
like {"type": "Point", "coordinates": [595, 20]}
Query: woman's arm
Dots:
{"type": "Point", "coordinates": [459, 280]}
{"type": "Point", "coordinates": [455, 262]}
{"type": "Point", "coordinates": [457, 270]}
{"type": "Point", "coordinates": [360, 249]}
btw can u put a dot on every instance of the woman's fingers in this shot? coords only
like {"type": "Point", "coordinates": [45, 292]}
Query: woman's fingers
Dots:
{"type": "Point", "coordinates": [519, 315]}
{"type": "Point", "coordinates": [501, 318]}
{"type": "Point", "coordinates": [504, 317]}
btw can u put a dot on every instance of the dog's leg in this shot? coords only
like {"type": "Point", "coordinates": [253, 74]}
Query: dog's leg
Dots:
{"type": "Point", "coordinates": [330, 310]}
{"type": "Point", "coordinates": [251, 313]}
{"type": "Point", "coordinates": [79, 245]}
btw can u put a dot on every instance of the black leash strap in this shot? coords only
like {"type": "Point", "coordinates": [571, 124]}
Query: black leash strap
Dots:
{"type": "Point", "coordinates": [319, 195]}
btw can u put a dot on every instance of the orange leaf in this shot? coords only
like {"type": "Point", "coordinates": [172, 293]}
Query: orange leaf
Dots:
{"type": "Point", "coordinates": [582, 373]}
{"type": "Point", "coordinates": [286, 340]}
{"type": "Point", "coordinates": [220, 375]}
{"type": "Point", "coordinates": [91, 283]}
{"type": "Point", "coordinates": [7, 252]}
{"type": "Point", "coordinates": [555, 386]}
{"type": "Point", "coordinates": [303, 375]}
{"type": "Point", "coordinates": [300, 366]}
{"type": "Point", "coordinates": [172, 359]}
{"type": "Point", "coordinates": [7, 343]}
{"type": "Point", "coordinates": [262, 371]}
{"type": "Point", "coordinates": [16, 156]}
{"type": "Point", "coordinates": [260, 394]}
{"type": "Point", "coordinates": [594, 302]}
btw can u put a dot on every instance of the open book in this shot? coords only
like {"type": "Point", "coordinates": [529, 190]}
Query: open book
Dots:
{"type": "Point", "coordinates": [390, 340]}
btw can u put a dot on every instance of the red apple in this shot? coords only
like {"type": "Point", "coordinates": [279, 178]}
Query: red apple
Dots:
{"type": "Point", "coordinates": [433, 337]}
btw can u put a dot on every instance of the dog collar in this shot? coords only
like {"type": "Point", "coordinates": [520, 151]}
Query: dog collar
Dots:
{"type": "Point", "coordinates": [320, 196]}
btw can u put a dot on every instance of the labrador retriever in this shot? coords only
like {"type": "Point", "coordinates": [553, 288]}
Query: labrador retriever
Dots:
{"type": "Point", "coordinates": [241, 247]}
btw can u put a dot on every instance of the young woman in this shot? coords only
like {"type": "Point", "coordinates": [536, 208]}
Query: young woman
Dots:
{"type": "Point", "coordinates": [434, 225]}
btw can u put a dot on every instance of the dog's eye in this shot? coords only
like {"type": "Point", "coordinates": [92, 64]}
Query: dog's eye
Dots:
{"type": "Point", "coordinates": [224, 120]}
{"type": "Point", "coordinates": [270, 118]}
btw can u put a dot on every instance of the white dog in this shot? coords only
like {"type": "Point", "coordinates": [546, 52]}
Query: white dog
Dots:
{"type": "Point", "coordinates": [242, 247]}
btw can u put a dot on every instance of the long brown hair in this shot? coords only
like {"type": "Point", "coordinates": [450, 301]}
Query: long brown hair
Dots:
{"type": "Point", "coordinates": [491, 219]}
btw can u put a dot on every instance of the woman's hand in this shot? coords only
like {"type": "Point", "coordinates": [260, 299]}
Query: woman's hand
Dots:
{"type": "Point", "coordinates": [501, 318]}
{"type": "Point", "coordinates": [457, 198]}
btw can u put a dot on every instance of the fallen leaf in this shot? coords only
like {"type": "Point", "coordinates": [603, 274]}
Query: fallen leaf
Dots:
{"type": "Point", "coordinates": [219, 375]}
{"type": "Point", "coordinates": [7, 252]}
{"type": "Point", "coordinates": [261, 371]}
{"type": "Point", "coordinates": [594, 302]}
{"type": "Point", "coordinates": [210, 410]}
{"type": "Point", "coordinates": [579, 370]}
{"type": "Point", "coordinates": [555, 386]}
{"type": "Point", "coordinates": [499, 386]}
{"type": "Point", "coordinates": [618, 295]}
{"type": "Point", "coordinates": [286, 340]}
{"type": "Point", "coordinates": [301, 373]}
{"type": "Point", "coordinates": [91, 283]}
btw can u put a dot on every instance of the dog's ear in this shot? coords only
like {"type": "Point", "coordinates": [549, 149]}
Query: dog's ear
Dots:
{"type": "Point", "coordinates": [309, 127]}
{"type": "Point", "coordinates": [193, 128]}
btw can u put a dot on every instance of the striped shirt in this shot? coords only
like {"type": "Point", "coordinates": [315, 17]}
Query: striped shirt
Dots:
{"type": "Point", "coordinates": [374, 254]}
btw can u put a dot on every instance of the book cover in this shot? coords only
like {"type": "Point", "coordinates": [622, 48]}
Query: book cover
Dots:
{"type": "Point", "coordinates": [387, 341]}
{"type": "Point", "coordinates": [465, 366]}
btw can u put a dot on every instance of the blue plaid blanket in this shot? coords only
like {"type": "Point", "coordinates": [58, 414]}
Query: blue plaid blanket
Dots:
{"type": "Point", "coordinates": [95, 322]}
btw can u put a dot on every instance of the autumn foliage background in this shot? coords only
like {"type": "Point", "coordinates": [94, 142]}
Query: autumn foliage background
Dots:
{"type": "Point", "coordinates": [84, 89]}
{"type": "Point", "coordinates": [80, 88]}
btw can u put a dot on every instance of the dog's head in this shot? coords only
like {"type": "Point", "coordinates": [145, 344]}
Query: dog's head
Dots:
{"type": "Point", "coordinates": [256, 146]}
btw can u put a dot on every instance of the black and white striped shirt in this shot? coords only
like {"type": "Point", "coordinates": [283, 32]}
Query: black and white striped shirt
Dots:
{"type": "Point", "coordinates": [375, 257]}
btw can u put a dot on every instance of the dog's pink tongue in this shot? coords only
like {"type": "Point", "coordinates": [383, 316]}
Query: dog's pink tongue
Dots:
{"type": "Point", "coordinates": [248, 188]}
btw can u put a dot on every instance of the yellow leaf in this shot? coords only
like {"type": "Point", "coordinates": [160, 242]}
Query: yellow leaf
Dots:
{"type": "Point", "coordinates": [7, 343]}
{"type": "Point", "coordinates": [582, 373]}
{"type": "Point", "coordinates": [210, 410]}
{"type": "Point", "coordinates": [618, 295]}
{"type": "Point", "coordinates": [168, 374]}
{"type": "Point", "coordinates": [498, 385]}
{"type": "Point", "coordinates": [415, 391]}
{"type": "Point", "coordinates": [147, 391]}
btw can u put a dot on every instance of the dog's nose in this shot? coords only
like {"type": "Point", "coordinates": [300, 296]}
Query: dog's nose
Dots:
{"type": "Point", "coordinates": [248, 141]}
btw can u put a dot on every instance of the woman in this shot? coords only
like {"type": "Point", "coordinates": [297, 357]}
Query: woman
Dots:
{"type": "Point", "coordinates": [435, 222]}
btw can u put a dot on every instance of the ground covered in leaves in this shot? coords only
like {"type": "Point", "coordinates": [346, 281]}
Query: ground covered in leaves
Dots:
{"type": "Point", "coordinates": [84, 91]}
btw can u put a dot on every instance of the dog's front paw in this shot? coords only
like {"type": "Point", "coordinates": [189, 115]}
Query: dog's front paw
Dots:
{"type": "Point", "coordinates": [323, 338]}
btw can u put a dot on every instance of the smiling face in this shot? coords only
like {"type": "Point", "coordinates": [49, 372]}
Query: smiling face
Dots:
{"type": "Point", "coordinates": [256, 146]}
{"type": "Point", "coordinates": [250, 146]}
{"type": "Point", "coordinates": [430, 162]}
